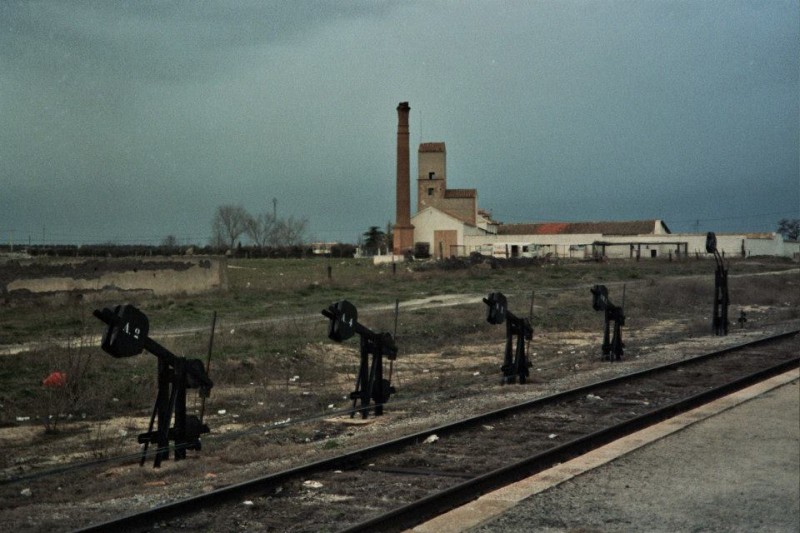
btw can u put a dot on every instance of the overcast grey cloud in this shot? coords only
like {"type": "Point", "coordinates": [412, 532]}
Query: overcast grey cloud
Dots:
{"type": "Point", "coordinates": [129, 121]}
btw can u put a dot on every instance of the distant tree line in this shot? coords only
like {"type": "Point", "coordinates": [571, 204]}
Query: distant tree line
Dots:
{"type": "Point", "coordinates": [143, 250]}
{"type": "Point", "coordinates": [110, 250]}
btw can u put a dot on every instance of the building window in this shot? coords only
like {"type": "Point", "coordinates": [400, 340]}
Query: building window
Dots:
{"type": "Point", "coordinates": [430, 191]}
{"type": "Point", "coordinates": [431, 175]}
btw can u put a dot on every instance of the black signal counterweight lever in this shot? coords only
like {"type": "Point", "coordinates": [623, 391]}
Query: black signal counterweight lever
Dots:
{"type": "Point", "coordinates": [719, 322]}
{"type": "Point", "coordinates": [127, 336]}
{"type": "Point", "coordinates": [370, 383]}
{"type": "Point", "coordinates": [612, 345]}
{"type": "Point", "coordinates": [516, 364]}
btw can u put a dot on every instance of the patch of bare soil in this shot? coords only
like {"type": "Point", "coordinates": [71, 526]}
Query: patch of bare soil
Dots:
{"type": "Point", "coordinates": [257, 433]}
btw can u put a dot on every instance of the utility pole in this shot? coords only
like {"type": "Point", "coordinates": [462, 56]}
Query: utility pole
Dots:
{"type": "Point", "coordinates": [274, 209]}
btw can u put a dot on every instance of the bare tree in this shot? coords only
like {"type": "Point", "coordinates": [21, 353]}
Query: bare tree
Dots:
{"type": "Point", "coordinates": [170, 241]}
{"type": "Point", "coordinates": [229, 222]}
{"type": "Point", "coordinates": [789, 228]}
{"type": "Point", "coordinates": [261, 229]}
{"type": "Point", "coordinates": [290, 232]}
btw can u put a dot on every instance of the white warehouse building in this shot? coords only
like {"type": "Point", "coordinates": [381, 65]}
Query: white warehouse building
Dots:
{"type": "Point", "coordinates": [449, 223]}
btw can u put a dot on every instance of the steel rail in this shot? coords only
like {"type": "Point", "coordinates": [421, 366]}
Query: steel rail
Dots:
{"type": "Point", "coordinates": [417, 512]}
{"type": "Point", "coordinates": [185, 506]}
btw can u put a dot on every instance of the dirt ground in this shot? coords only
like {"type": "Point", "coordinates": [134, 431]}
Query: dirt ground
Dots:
{"type": "Point", "coordinates": [60, 482]}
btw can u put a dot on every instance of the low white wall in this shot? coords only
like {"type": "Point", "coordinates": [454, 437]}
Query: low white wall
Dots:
{"type": "Point", "coordinates": [731, 245]}
{"type": "Point", "coordinates": [160, 276]}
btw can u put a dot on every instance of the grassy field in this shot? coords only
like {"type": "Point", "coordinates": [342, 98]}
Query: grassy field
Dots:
{"type": "Point", "coordinates": [275, 288]}
{"type": "Point", "coordinates": [270, 329]}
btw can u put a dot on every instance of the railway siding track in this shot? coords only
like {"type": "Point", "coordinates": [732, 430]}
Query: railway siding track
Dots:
{"type": "Point", "coordinates": [397, 484]}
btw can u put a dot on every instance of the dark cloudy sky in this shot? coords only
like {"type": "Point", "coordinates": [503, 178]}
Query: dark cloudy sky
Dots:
{"type": "Point", "coordinates": [127, 121]}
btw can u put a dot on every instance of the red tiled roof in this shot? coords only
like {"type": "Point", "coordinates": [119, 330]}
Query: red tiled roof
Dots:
{"type": "Point", "coordinates": [460, 193]}
{"type": "Point", "coordinates": [551, 228]}
{"type": "Point", "coordinates": [432, 147]}
{"type": "Point", "coordinates": [635, 227]}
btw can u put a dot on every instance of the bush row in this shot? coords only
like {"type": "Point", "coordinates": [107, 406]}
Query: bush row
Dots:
{"type": "Point", "coordinates": [136, 250]}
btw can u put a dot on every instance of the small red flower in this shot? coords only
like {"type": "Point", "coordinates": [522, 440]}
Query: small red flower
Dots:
{"type": "Point", "coordinates": [55, 380]}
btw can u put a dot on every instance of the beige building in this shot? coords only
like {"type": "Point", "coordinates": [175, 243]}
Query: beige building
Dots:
{"type": "Point", "coordinates": [432, 188]}
{"type": "Point", "coordinates": [445, 217]}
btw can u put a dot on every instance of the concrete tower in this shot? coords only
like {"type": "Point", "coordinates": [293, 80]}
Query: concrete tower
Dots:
{"type": "Point", "coordinates": [403, 230]}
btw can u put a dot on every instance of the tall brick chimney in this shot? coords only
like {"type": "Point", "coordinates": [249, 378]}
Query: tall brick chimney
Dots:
{"type": "Point", "coordinates": [403, 230]}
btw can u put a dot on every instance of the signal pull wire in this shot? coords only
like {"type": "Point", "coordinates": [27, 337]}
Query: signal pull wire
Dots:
{"type": "Point", "coordinates": [208, 362]}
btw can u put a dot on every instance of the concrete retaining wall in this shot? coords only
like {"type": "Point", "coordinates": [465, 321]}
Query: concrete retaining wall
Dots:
{"type": "Point", "coordinates": [162, 276]}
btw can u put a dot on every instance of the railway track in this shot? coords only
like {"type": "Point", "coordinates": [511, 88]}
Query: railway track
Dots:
{"type": "Point", "coordinates": [399, 483]}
